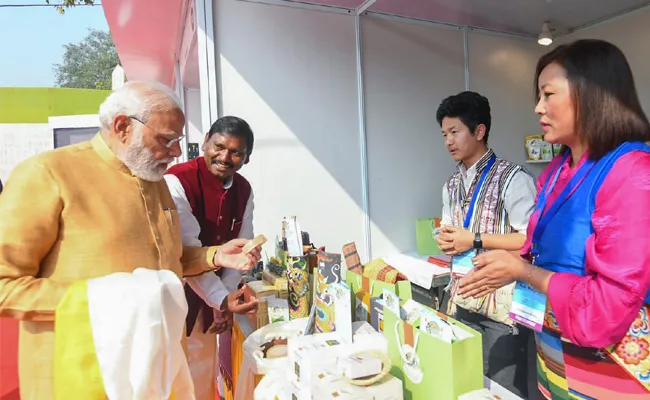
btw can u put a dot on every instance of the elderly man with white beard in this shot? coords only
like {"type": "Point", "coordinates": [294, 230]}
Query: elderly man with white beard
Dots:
{"type": "Point", "coordinates": [94, 209]}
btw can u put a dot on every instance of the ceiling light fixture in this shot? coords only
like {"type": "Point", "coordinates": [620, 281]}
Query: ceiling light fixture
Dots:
{"type": "Point", "coordinates": [545, 37]}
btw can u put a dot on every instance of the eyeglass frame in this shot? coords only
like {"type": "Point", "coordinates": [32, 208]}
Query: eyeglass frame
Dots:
{"type": "Point", "coordinates": [170, 142]}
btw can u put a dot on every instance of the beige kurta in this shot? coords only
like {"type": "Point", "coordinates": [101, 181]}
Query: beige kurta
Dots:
{"type": "Point", "coordinates": [72, 214]}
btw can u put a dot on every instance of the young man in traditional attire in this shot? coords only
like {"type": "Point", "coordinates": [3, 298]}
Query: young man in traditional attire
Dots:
{"type": "Point", "coordinates": [90, 210]}
{"type": "Point", "coordinates": [486, 205]}
{"type": "Point", "coordinates": [215, 204]}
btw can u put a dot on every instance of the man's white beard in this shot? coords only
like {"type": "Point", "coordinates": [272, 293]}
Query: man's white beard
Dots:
{"type": "Point", "coordinates": [141, 161]}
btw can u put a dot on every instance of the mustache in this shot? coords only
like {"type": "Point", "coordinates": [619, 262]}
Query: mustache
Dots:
{"type": "Point", "coordinates": [225, 163]}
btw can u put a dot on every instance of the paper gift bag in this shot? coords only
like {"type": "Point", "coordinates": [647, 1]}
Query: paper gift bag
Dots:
{"type": "Point", "coordinates": [333, 310]}
{"type": "Point", "coordinates": [329, 267]}
{"type": "Point", "coordinates": [298, 282]}
{"type": "Point", "coordinates": [426, 235]}
{"type": "Point", "coordinates": [377, 313]}
{"type": "Point", "coordinates": [362, 300]}
{"type": "Point", "coordinates": [327, 272]}
{"type": "Point", "coordinates": [432, 368]}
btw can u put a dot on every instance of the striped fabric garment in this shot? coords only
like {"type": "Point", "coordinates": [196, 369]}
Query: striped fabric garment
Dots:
{"type": "Point", "coordinates": [490, 217]}
{"type": "Point", "coordinates": [568, 371]}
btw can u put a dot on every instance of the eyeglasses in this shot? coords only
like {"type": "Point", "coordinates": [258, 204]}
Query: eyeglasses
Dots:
{"type": "Point", "coordinates": [168, 142]}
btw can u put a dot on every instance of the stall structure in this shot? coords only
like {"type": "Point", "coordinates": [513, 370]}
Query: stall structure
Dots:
{"type": "Point", "coordinates": [342, 94]}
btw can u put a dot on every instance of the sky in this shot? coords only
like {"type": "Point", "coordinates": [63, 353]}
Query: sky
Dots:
{"type": "Point", "coordinates": [33, 38]}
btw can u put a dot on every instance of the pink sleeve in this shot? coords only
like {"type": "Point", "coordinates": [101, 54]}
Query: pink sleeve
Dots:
{"type": "Point", "coordinates": [597, 310]}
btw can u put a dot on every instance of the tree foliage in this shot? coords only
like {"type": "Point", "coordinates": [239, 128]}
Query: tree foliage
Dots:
{"type": "Point", "coordinates": [71, 3]}
{"type": "Point", "coordinates": [89, 63]}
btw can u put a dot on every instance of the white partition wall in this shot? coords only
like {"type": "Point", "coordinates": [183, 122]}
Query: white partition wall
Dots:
{"type": "Point", "coordinates": [502, 68]}
{"type": "Point", "coordinates": [630, 33]}
{"type": "Point", "coordinates": [408, 69]}
{"type": "Point", "coordinates": [291, 74]}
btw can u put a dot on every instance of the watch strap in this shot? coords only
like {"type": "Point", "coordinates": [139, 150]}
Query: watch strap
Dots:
{"type": "Point", "coordinates": [478, 243]}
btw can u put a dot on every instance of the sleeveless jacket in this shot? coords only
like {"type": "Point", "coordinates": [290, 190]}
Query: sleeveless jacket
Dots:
{"type": "Point", "coordinates": [490, 216]}
{"type": "Point", "coordinates": [562, 246]}
{"type": "Point", "coordinates": [219, 212]}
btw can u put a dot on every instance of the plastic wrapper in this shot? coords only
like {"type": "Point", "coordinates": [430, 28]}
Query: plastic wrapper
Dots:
{"type": "Point", "coordinates": [265, 350]}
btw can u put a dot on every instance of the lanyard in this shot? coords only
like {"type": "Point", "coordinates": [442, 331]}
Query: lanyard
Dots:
{"type": "Point", "coordinates": [477, 189]}
{"type": "Point", "coordinates": [546, 216]}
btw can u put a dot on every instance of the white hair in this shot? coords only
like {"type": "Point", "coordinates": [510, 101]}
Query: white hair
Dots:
{"type": "Point", "coordinates": [140, 160]}
{"type": "Point", "coordinates": [137, 99]}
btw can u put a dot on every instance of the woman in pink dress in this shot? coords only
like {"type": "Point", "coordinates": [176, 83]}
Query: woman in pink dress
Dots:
{"type": "Point", "coordinates": [584, 273]}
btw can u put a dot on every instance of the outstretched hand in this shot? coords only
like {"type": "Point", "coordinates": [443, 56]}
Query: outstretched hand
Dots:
{"type": "Point", "coordinates": [231, 255]}
{"type": "Point", "coordinates": [234, 302]}
{"type": "Point", "coordinates": [222, 322]}
{"type": "Point", "coordinates": [492, 270]}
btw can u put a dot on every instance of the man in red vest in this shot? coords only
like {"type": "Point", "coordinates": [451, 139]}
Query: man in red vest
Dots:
{"type": "Point", "coordinates": [215, 205]}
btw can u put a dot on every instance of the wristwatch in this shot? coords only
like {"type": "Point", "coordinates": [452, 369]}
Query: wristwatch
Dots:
{"type": "Point", "coordinates": [478, 243]}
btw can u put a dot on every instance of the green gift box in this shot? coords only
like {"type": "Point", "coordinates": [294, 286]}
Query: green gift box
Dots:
{"type": "Point", "coordinates": [442, 370]}
{"type": "Point", "coordinates": [426, 233]}
{"type": "Point", "coordinates": [375, 287]}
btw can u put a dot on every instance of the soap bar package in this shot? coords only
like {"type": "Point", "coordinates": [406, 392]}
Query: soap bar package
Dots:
{"type": "Point", "coordinates": [278, 310]}
{"type": "Point", "coordinates": [360, 366]}
{"type": "Point", "coordinates": [310, 355]}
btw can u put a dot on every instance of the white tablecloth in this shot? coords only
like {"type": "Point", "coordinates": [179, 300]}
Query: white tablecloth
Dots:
{"type": "Point", "coordinates": [416, 268]}
{"type": "Point", "coordinates": [277, 384]}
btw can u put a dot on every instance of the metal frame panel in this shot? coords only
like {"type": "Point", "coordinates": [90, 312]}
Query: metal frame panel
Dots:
{"type": "Point", "coordinates": [631, 11]}
{"type": "Point", "coordinates": [305, 6]}
{"type": "Point", "coordinates": [180, 92]}
{"type": "Point", "coordinates": [207, 63]}
{"type": "Point", "coordinates": [363, 143]}
{"type": "Point", "coordinates": [363, 7]}
{"type": "Point", "coordinates": [410, 20]}
{"type": "Point", "coordinates": [466, 56]}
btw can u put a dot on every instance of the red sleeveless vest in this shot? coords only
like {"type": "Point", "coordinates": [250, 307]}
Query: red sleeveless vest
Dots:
{"type": "Point", "coordinates": [219, 212]}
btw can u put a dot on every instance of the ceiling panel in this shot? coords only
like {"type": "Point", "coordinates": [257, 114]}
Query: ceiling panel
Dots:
{"type": "Point", "coordinates": [516, 16]}
{"type": "Point", "coordinates": [351, 4]}
{"type": "Point", "coordinates": [145, 36]}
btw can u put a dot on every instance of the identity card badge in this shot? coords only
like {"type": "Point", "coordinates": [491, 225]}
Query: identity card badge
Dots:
{"type": "Point", "coordinates": [462, 263]}
{"type": "Point", "coordinates": [528, 306]}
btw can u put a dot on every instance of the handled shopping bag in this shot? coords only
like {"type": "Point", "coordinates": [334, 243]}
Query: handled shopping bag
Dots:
{"type": "Point", "coordinates": [426, 236]}
{"type": "Point", "coordinates": [432, 368]}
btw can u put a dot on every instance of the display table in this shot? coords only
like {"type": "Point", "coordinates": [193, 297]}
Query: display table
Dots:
{"type": "Point", "coordinates": [241, 329]}
{"type": "Point", "coordinates": [428, 280]}
{"type": "Point", "coordinates": [277, 385]}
